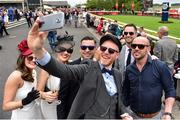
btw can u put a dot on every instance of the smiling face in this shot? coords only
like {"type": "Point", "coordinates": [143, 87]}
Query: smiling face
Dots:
{"type": "Point", "coordinates": [129, 34]}
{"type": "Point", "coordinates": [88, 49]}
{"type": "Point", "coordinates": [64, 52]}
{"type": "Point", "coordinates": [140, 48]}
{"type": "Point", "coordinates": [30, 61]}
{"type": "Point", "coordinates": [108, 53]}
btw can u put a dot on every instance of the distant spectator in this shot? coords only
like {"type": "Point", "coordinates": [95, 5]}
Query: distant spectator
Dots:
{"type": "Point", "coordinates": [108, 22]}
{"type": "Point", "coordinates": [141, 32]}
{"type": "Point", "coordinates": [88, 17]}
{"type": "Point", "coordinates": [52, 38]}
{"type": "Point", "coordinates": [4, 23]}
{"type": "Point", "coordinates": [17, 16]}
{"type": "Point", "coordinates": [132, 8]}
{"type": "Point", "coordinates": [166, 48]}
{"type": "Point", "coordinates": [28, 15]}
{"type": "Point", "coordinates": [176, 70]}
{"type": "Point", "coordinates": [11, 14]}
{"type": "Point", "coordinates": [115, 29]}
{"type": "Point", "coordinates": [100, 26]}
{"type": "Point", "coordinates": [75, 16]}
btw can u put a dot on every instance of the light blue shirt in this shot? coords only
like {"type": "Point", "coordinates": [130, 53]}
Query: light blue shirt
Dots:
{"type": "Point", "coordinates": [109, 82]}
{"type": "Point", "coordinates": [43, 61]}
{"type": "Point", "coordinates": [108, 79]}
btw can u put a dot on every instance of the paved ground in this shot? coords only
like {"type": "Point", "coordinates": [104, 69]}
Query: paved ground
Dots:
{"type": "Point", "coordinates": [9, 54]}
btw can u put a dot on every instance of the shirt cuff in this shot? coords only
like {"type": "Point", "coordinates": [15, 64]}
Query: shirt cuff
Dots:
{"type": "Point", "coordinates": [43, 61]}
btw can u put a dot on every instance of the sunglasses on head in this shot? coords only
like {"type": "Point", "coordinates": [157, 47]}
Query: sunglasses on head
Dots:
{"type": "Point", "coordinates": [130, 33]}
{"type": "Point", "coordinates": [31, 58]}
{"type": "Point", "coordinates": [140, 46]}
{"type": "Point", "coordinates": [83, 47]}
{"type": "Point", "coordinates": [110, 50]}
{"type": "Point", "coordinates": [62, 49]}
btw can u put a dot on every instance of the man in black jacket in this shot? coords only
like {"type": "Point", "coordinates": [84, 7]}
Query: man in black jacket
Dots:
{"type": "Point", "coordinates": [87, 49]}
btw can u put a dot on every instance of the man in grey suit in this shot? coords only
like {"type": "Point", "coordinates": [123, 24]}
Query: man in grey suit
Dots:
{"type": "Point", "coordinates": [166, 48]}
{"type": "Point", "coordinates": [99, 95]}
{"type": "Point", "coordinates": [125, 57]}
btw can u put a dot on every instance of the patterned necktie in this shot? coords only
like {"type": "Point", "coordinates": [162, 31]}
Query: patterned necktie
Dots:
{"type": "Point", "coordinates": [128, 61]}
{"type": "Point", "coordinates": [104, 70]}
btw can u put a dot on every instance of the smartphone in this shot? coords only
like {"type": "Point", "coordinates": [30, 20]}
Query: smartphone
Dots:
{"type": "Point", "coordinates": [52, 21]}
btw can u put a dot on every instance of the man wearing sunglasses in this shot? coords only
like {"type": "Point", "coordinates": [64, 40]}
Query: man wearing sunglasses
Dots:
{"type": "Point", "coordinates": [125, 57]}
{"type": "Point", "coordinates": [145, 81]}
{"type": "Point", "coordinates": [99, 95]}
{"type": "Point", "coordinates": [87, 49]}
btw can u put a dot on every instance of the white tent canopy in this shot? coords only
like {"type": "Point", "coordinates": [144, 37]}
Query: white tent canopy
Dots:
{"type": "Point", "coordinates": [47, 7]}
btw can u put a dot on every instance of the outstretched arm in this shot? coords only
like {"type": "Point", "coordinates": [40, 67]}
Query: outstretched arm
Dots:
{"type": "Point", "coordinates": [36, 40]}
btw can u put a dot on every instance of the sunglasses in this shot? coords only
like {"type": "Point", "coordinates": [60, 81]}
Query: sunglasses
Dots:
{"type": "Point", "coordinates": [31, 58]}
{"type": "Point", "coordinates": [140, 46]}
{"type": "Point", "coordinates": [110, 50]}
{"type": "Point", "coordinates": [83, 47]}
{"type": "Point", "coordinates": [130, 33]}
{"type": "Point", "coordinates": [62, 49]}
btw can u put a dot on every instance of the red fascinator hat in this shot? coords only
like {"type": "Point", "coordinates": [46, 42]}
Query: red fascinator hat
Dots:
{"type": "Point", "coordinates": [23, 48]}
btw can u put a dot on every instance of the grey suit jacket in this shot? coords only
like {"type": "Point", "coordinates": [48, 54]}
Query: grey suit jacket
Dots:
{"type": "Point", "coordinates": [120, 62]}
{"type": "Point", "coordinates": [167, 51]}
{"type": "Point", "coordinates": [88, 75]}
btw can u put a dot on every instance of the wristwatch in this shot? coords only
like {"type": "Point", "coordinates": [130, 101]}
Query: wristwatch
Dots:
{"type": "Point", "coordinates": [168, 113]}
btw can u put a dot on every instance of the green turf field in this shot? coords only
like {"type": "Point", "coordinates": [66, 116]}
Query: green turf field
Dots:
{"type": "Point", "coordinates": [148, 22]}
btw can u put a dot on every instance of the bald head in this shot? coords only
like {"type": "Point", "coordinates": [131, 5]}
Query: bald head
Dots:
{"type": "Point", "coordinates": [141, 39]}
{"type": "Point", "coordinates": [163, 30]}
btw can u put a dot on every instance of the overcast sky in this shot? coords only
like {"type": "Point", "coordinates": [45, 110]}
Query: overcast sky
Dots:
{"type": "Point", "coordinates": [171, 1]}
{"type": "Point", "coordinates": [74, 2]}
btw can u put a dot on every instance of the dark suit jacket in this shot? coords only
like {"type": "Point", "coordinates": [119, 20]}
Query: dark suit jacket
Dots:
{"type": "Point", "coordinates": [77, 61]}
{"type": "Point", "coordinates": [67, 93]}
{"type": "Point", "coordinates": [89, 76]}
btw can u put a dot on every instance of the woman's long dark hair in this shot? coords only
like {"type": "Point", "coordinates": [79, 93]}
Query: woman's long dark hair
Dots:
{"type": "Point", "coordinates": [26, 72]}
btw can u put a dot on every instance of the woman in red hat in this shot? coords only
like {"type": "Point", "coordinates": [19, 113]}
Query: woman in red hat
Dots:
{"type": "Point", "coordinates": [19, 91]}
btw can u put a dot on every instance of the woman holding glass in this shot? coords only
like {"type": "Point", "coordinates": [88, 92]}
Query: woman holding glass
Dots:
{"type": "Point", "coordinates": [19, 91]}
{"type": "Point", "coordinates": [49, 85]}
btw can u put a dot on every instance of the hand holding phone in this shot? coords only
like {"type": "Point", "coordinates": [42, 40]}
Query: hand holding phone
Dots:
{"type": "Point", "coordinates": [52, 21]}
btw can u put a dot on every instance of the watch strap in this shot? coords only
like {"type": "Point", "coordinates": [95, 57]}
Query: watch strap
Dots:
{"type": "Point", "coordinates": [168, 113]}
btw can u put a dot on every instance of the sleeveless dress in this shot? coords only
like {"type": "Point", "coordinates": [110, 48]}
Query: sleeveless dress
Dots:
{"type": "Point", "coordinates": [29, 111]}
{"type": "Point", "coordinates": [49, 110]}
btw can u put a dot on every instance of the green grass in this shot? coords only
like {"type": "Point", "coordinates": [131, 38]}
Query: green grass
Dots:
{"type": "Point", "coordinates": [149, 22]}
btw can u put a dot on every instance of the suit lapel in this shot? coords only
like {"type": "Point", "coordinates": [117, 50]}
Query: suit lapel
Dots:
{"type": "Point", "coordinates": [123, 55]}
{"type": "Point", "coordinates": [117, 81]}
{"type": "Point", "coordinates": [122, 58]}
{"type": "Point", "coordinates": [99, 76]}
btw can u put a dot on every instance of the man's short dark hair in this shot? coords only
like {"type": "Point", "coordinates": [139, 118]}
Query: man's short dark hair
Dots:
{"type": "Point", "coordinates": [88, 38]}
{"type": "Point", "coordinates": [131, 25]}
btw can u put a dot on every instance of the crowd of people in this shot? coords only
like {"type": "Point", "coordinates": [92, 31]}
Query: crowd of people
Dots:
{"type": "Point", "coordinates": [118, 79]}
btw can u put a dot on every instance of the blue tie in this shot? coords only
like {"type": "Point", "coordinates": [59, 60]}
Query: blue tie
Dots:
{"type": "Point", "coordinates": [104, 70]}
